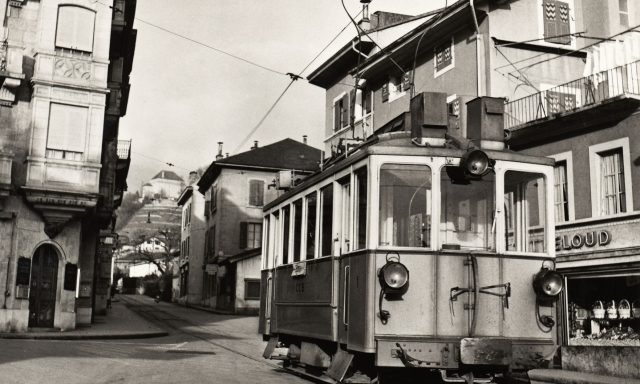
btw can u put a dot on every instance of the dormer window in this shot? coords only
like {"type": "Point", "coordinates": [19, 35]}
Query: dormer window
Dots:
{"type": "Point", "coordinates": [75, 28]}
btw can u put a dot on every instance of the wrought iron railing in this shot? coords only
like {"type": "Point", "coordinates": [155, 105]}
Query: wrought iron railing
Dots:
{"type": "Point", "coordinates": [575, 94]}
{"type": "Point", "coordinates": [124, 149]}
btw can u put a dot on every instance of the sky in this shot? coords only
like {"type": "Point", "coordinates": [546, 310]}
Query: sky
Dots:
{"type": "Point", "coordinates": [185, 98]}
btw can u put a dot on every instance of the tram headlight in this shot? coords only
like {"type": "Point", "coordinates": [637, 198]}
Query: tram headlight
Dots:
{"type": "Point", "coordinates": [547, 284]}
{"type": "Point", "coordinates": [394, 276]}
{"type": "Point", "coordinates": [474, 164]}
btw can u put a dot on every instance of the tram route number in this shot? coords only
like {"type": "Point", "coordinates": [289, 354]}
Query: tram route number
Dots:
{"type": "Point", "coordinates": [299, 287]}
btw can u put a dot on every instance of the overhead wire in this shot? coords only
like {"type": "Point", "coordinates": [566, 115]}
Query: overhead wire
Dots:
{"type": "Point", "coordinates": [577, 50]}
{"type": "Point", "coordinates": [415, 55]}
{"type": "Point", "coordinates": [170, 164]}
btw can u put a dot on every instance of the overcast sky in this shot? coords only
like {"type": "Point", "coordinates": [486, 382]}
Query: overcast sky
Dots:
{"type": "Point", "coordinates": [185, 97]}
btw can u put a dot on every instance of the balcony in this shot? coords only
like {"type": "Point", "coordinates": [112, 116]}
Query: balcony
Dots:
{"type": "Point", "coordinates": [122, 166]}
{"type": "Point", "coordinates": [577, 105]}
{"type": "Point", "coordinates": [71, 68]}
{"type": "Point", "coordinates": [362, 129]}
{"type": "Point", "coordinates": [10, 72]}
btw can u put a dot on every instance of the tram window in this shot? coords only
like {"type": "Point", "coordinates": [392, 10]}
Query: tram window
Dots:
{"type": "Point", "coordinates": [525, 204]}
{"type": "Point", "coordinates": [361, 209]}
{"type": "Point", "coordinates": [326, 216]}
{"type": "Point", "coordinates": [267, 255]}
{"type": "Point", "coordinates": [345, 215]}
{"type": "Point", "coordinates": [285, 235]}
{"type": "Point", "coordinates": [467, 213]}
{"type": "Point", "coordinates": [405, 205]}
{"type": "Point", "coordinates": [275, 228]}
{"type": "Point", "coordinates": [297, 229]}
{"type": "Point", "coordinates": [312, 203]}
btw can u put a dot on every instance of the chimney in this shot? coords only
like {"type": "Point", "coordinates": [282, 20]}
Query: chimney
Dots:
{"type": "Point", "coordinates": [193, 177]}
{"type": "Point", "coordinates": [227, 155]}
{"type": "Point", "coordinates": [304, 139]}
{"type": "Point", "coordinates": [255, 144]}
{"type": "Point", "coordinates": [219, 155]}
{"type": "Point", "coordinates": [365, 23]}
{"type": "Point", "coordinates": [485, 122]}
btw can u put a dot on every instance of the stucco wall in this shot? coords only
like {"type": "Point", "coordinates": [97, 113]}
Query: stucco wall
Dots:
{"type": "Point", "coordinates": [246, 269]}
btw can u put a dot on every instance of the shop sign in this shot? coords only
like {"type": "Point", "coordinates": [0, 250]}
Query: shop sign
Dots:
{"type": "Point", "coordinates": [583, 240]}
{"type": "Point", "coordinates": [299, 268]}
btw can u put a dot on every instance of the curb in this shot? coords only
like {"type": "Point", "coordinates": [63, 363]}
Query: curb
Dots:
{"type": "Point", "coordinates": [59, 336]}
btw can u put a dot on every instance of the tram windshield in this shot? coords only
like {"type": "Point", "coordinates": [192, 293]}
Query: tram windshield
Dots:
{"type": "Point", "coordinates": [467, 213]}
{"type": "Point", "coordinates": [405, 205]}
{"type": "Point", "coordinates": [525, 204]}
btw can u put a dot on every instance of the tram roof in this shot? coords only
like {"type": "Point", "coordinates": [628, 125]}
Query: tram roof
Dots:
{"type": "Point", "coordinates": [399, 144]}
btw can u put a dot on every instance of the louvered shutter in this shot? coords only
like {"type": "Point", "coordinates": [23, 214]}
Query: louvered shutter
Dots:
{"type": "Point", "coordinates": [406, 81]}
{"type": "Point", "coordinates": [256, 192]}
{"type": "Point", "coordinates": [385, 92]}
{"type": "Point", "coordinates": [67, 127]}
{"type": "Point", "coordinates": [243, 235]}
{"type": "Point", "coordinates": [337, 113]}
{"type": "Point", "coordinates": [345, 110]}
{"type": "Point", "coordinates": [352, 106]}
{"type": "Point", "coordinates": [562, 22]}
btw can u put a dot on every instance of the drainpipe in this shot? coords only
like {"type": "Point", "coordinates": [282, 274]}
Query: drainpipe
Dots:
{"type": "Point", "coordinates": [480, 57]}
{"type": "Point", "coordinates": [7, 285]}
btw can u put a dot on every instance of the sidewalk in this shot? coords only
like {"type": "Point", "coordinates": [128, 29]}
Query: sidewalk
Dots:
{"type": "Point", "coordinates": [119, 323]}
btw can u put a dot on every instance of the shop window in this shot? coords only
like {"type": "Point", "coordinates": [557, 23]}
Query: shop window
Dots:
{"type": "Point", "coordinates": [405, 205]}
{"type": "Point", "coordinates": [361, 205]}
{"type": "Point", "coordinates": [250, 235]}
{"type": "Point", "coordinates": [610, 180]}
{"type": "Point", "coordinates": [556, 22]}
{"type": "Point", "coordinates": [67, 130]}
{"type": "Point", "coordinates": [251, 289]}
{"type": "Point", "coordinates": [312, 204]}
{"type": "Point", "coordinates": [525, 212]}
{"type": "Point", "coordinates": [75, 28]}
{"type": "Point", "coordinates": [297, 229]}
{"type": "Point", "coordinates": [341, 112]}
{"type": "Point", "coordinates": [256, 193]}
{"type": "Point", "coordinates": [444, 59]}
{"type": "Point", "coordinates": [604, 310]}
{"type": "Point", "coordinates": [467, 211]}
{"type": "Point", "coordinates": [623, 7]}
{"type": "Point", "coordinates": [326, 217]}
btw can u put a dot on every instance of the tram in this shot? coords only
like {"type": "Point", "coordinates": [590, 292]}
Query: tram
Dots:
{"type": "Point", "coordinates": [415, 252]}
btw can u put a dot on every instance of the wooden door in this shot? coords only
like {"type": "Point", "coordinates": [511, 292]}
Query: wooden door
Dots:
{"type": "Point", "coordinates": [42, 295]}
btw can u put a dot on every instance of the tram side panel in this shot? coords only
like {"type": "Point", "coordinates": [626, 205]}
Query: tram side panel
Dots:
{"type": "Point", "coordinates": [264, 320]}
{"type": "Point", "coordinates": [304, 300]}
{"type": "Point", "coordinates": [356, 312]}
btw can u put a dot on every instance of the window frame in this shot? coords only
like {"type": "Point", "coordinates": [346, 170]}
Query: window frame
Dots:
{"type": "Point", "coordinates": [438, 72]}
{"type": "Point", "coordinates": [69, 46]}
{"type": "Point", "coordinates": [572, 25]}
{"type": "Point", "coordinates": [595, 152]}
{"type": "Point", "coordinates": [246, 282]}
{"type": "Point", "coordinates": [567, 157]}
{"type": "Point", "coordinates": [345, 125]}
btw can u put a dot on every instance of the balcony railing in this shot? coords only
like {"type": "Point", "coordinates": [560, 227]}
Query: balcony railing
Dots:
{"type": "Point", "coordinates": [575, 94]}
{"type": "Point", "coordinates": [124, 149]}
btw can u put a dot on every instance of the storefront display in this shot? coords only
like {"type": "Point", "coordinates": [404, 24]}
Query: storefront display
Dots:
{"type": "Point", "coordinates": [604, 310]}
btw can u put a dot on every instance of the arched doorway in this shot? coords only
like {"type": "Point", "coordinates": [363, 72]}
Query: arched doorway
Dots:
{"type": "Point", "coordinates": [44, 283]}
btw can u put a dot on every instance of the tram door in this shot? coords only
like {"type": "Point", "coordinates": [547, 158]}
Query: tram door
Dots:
{"type": "Point", "coordinates": [42, 295]}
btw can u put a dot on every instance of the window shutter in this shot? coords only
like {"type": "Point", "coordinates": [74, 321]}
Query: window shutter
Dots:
{"type": "Point", "coordinates": [406, 81]}
{"type": "Point", "coordinates": [243, 235]}
{"type": "Point", "coordinates": [562, 18]}
{"type": "Point", "coordinates": [256, 193]}
{"type": "Point", "coordinates": [67, 127]}
{"type": "Point", "coordinates": [337, 111]}
{"type": "Point", "coordinates": [75, 28]}
{"type": "Point", "coordinates": [345, 110]}
{"type": "Point", "coordinates": [352, 105]}
{"type": "Point", "coordinates": [385, 92]}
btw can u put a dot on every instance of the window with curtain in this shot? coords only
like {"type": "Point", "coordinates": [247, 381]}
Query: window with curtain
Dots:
{"type": "Point", "coordinates": [250, 235]}
{"type": "Point", "coordinates": [67, 131]}
{"type": "Point", "coordinates": [75, 28]}
{"type": "Point", "coordinates": [561, 192]}
{"type": "Point", "coordinates": [612, 188]}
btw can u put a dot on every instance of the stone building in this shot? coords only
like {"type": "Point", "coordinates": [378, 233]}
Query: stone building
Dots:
{"type": "Point", "coordinates": [164, 185]}
{"type": "Point", "coordinates": [64, 70]}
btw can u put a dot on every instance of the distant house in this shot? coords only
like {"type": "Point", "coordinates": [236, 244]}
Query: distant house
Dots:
{"type": "Point", "coordinates": [164, 185]}
{"type": "Point", "coordinates": [235, 189]}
